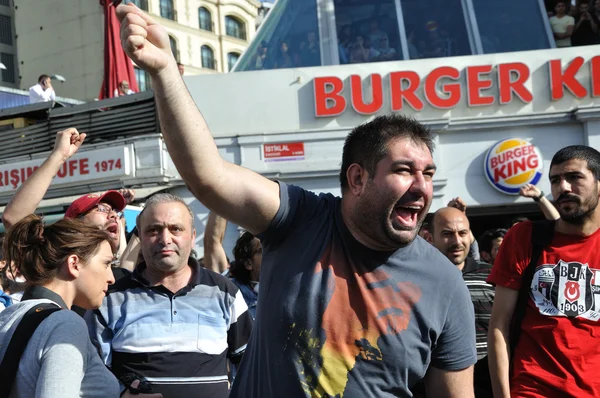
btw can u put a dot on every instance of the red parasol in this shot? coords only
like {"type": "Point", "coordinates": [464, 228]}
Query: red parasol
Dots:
{"type": "Point", "coordinates": [117, 66]}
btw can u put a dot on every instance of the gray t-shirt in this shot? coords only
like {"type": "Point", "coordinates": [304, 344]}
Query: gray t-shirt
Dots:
{"type": "Point", "coordinates": [59, 360]}
{"type": "Point", "coordinates": [338, 319]}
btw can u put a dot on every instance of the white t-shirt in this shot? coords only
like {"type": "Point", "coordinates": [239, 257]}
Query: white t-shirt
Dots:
{"type": "Point", "coordinates": [560, 25]}
{"type": "Point", "coordinates": [38, 94]}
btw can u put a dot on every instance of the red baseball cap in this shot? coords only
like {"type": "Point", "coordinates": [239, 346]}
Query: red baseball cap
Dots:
{"type": "Point", "coordinates": [87, 202]}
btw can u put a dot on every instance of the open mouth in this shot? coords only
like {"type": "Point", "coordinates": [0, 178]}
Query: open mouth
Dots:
{"type": "Point", "coordinates": [112, 229]}
{"type": "Point", "coordinates": [407, 215]}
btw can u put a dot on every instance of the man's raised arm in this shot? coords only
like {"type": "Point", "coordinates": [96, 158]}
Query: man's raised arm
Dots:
{"type": "Point", "coordinates": [32, 191]}
{"type": "Point", "coordinates": [238, 194]}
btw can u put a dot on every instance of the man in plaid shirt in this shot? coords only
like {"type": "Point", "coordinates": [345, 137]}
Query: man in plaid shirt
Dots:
{"type": "Point", "coordinates": [451, 234]}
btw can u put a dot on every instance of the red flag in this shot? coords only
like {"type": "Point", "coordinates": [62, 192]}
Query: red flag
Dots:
{"type": "Point", "coordinates": [117, 66]}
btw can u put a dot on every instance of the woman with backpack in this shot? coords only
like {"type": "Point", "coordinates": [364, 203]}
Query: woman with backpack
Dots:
{"type": "Point", "coordinates": [44, 347]}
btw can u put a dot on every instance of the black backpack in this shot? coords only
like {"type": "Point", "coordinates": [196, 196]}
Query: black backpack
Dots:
{"type": "Point", "coordinates": [18, 342]}
{"type": "Point", "coordinates": [541, 236]}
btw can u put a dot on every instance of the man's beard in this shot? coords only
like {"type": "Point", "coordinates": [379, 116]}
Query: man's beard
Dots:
{"type": "Point", "coordinates": [582, 211]}
{"type": "Point", "coordinates": [378, 224]}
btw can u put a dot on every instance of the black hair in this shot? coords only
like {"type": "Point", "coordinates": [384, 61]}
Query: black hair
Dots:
{"type": "Point", "coordinates": [42, 78]}
{"type": "Point", "coordinates": [242, 253]}
{"type": "Point", "coordinates": [485, 241]}
{"type": "Point", "coordinates": [367, 144]}
{"type": "Point", "coordinates": [580, 152]}
{"type": "Point", "coordinates": [515, 220]}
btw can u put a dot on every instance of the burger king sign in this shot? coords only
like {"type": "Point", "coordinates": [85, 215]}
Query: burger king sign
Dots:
{"type": "Point", "coordinates": [512, 163]}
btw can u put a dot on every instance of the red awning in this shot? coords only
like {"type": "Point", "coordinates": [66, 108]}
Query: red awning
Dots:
{"type": "Point", "coordinates": [117, 66]}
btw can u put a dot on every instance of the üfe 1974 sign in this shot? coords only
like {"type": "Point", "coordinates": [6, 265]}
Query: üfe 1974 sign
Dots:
{"type": "Point", "coordinates": [89, 166]}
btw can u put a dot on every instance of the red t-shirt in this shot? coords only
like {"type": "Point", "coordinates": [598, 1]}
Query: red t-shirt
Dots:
{"type": "Point", "coordinates": [558, 353]}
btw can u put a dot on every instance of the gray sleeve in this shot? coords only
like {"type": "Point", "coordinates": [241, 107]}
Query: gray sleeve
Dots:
{"type": "Point", "coordinates": [297, 206]}
{"type": "Point", "coordinates": [474, 251]}
{"type": "Point", "coordinates": [455, 348]}
{"type": "Point", "coordinates": [99, 333]}
{"type": "Point", "coordinates": [63, 358]}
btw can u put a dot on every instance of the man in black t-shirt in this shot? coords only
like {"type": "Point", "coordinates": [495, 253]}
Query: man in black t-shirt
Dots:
{"type": "Point", "coordinates": [586, 26]}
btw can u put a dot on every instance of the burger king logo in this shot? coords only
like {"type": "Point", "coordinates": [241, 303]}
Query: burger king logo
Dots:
{"type": "Point", "coordinates": [512, 163]}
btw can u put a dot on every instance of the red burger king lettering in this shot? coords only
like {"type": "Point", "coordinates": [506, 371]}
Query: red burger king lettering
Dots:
{"type": "Point", "coordinates": [512, 79]}
{"type": "Point", "coordinates": [510, 163]}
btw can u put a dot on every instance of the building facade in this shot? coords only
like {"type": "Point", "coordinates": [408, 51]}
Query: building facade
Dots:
{"type": "Point", "coordinates": [499, 107]}
{"type": "Point", "coordinates": [65, 37]}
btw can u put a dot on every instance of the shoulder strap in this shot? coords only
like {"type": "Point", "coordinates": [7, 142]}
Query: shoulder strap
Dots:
{"type": "Point", "coordinates": [541, 236]}
{"type": "Point", "coordinates": [18, 342]}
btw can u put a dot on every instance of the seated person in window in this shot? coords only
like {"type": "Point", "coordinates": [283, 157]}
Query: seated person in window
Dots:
{"type": "Point", "coordinates": [586, 27]}
{"type": "Point", "coordinates": [345, 43]}
{"type": "Point", "coordinates": [260, 57]}
{"type": "Point", "coordinates": [309, 52]}
{"type": "Point", "coordinates": [434, 47]}
{"type": "Point", "coordinates": [375, 34]}
{"type": "Point", "coordinates": [361, 53]}
{"type": "Point", "coordinates": [386, 53]}
{"type": "Point", "coordinates": [284, 58]}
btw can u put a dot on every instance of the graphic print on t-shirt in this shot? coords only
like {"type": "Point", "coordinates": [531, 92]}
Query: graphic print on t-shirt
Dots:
{"type": "Point", "coordinates": [362, 305]}
{"type": "Point", "coordinates": [568, 289]}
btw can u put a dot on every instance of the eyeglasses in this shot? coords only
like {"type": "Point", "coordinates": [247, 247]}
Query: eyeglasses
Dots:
{"type": "Point", "coordinates": [101, 208]}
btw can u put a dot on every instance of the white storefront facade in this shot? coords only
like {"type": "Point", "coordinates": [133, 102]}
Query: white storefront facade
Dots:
{"type": "Point", "coordinates": [290, 124]}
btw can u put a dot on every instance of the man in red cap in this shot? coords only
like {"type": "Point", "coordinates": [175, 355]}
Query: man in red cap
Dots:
{"type": "Point", "coordinates": [101, 209]}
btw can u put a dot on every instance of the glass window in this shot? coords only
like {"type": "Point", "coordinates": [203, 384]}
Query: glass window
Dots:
{"type": "Point", "coordinates": [287, 39]}
{"type": "Point", "coordinates": [435, 28]}
{"type": "Point", "coordinates": [173, 44]}
{"type": "Point", "coordinates": [167, 10]}
{"type": "Point", "coordinates": [8, 74]}
{"type": "Point", "coordinates": [143, 80]}
{"type": "Point", "coordinates": [510, 25]}
{"type": "Point", "coordinates": [142, 4]}
{"type": "Point", "coordinates": [232, 58]}
{"type": "Point", "coordinates": [367, 31]}
{"type": "Point", "coordinates": [204, 19]}
{"type": "Point", "coordinates": [208, 58]}
{"type": "Point", "coordinates": [5, 30]}
{"type": "Point", "coordinates": [235, 28]}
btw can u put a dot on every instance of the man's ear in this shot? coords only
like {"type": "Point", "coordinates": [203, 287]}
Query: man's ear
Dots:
{"type": "Point", "coordinates": [357, 177]}
{"type": "Point", "coordinates": [74, 266]}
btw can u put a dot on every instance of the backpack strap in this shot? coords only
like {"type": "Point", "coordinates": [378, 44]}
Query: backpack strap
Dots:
{"type": "Point", "coordinates": [18, 342]}
{"type": "Point", "coordinates": [541, 236]}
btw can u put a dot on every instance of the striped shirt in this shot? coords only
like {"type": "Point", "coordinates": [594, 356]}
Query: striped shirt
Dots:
{"type": "Point", "coordinates": [482, 295]}
{"type": "Point", "coordinates": [179, 342]}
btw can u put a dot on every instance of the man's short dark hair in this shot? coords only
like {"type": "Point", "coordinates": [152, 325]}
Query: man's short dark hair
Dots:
{"type": "Point", "coordinates": [42, 78]}
{"type": "Point", "coordinates": [516, 220]}
{"type": "Point", "coordinates": [242, 252]}
{"type": "Point", "coordinates": [579, 152]}
{"type": "Point", "coordinates": [367, 144]}
{"type": "Point", "coordinates": [485, 241]}
{"type": "Point", "coordinates": [557, 2]}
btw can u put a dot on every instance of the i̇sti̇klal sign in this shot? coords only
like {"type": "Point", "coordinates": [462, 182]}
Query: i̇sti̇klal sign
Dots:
{"type": "Point", "coordinates": [512, 78]}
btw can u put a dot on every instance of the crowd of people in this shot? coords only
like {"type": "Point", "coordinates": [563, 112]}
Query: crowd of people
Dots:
{"type": "Point", "coordinates": [575, 24]}
{"type": "Point", "coordinates": [358, 296]}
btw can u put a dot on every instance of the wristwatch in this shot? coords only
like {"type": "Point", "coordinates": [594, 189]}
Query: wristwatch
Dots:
{"type": "Point", "coordinates": [540, 196]}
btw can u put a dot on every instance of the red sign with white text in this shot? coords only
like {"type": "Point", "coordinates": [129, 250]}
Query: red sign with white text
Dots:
{"type": "Point", "coordinates": [442, 88]}
{"type": "Point", "coordinates": [284, 151]}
